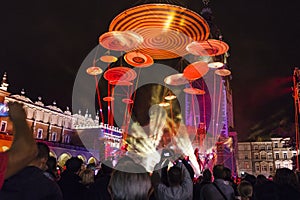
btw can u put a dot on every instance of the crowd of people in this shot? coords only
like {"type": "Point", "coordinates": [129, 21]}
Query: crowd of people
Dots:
{"type": "Point", "coordinates": [37, 176]}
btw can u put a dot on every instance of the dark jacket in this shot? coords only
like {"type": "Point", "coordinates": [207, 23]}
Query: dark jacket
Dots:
{"type": "Point", "coordinates": [184, 191]}
{"type": "Point", "coordinates": [210, 192]}
{"type": "Point", "coordinates": [197, 189]}
{"type": "Point", "coordinates": [98, 189]}
{"type": "Point", "coordinates": [71, 186]}
{"type": "Point", "coordinates": [30, 183]}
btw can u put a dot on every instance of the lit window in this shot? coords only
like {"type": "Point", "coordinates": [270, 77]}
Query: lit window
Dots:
{"type": "Point", "coordinates": [271, 168]}
{"type": "Point", "coordinates": [278, 166]}
{"type": "Point", "coordinates": [3, 126]}
{"type": "Point", "coordinates": [67, 139]}
{"type": "Point", "coordinates": [241, 156]}
{"type": "Point", "coordinates": [270, 156]}
{"type": "Point", "coordinates": [268, 147]}
{"type": "Point", "coordinates": [246, 165]}
{"type": "Point", "coordinates": [39, 134]}
{"type": "Point", "coordinates": [286, 165]}
{"type": "Point", "coordinates": [53, 138]}
{"type": "Point", "coordinates": [257, 168]}
{"type": "Point", "coordinates": [264, 168]}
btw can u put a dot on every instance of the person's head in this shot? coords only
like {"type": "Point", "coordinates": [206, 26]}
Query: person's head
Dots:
{"type": "Point", "coordinates": [207, 175]}
{"type": "Point", "coordinates": [261, 179]}
{"type": "Point", "coordinates": [130, 185]}
{"type": "Point", "coordinates": [250, 178]}
{"type": "Point", "coordinates": [87, 176]}
{"type": "Point", "coordinates": [227, 174]}
{"type": "Point", "coordinates": [245, 189]}
{"type": "Point", "coordinates": [42, 156]}
{"type": "Point", "coordinates": [174, 176]}
{"type": "Point", "coordinates": [285, 176]}
{"type": "Point", "coordinates": [106, 168]}
{"type": "Point", "coordinates": [91, 166]}
{"type": "Point", "coordinates": [167, 153]}
{"type": "Point", "coordinates": [73, 164]}
{"type": "Point", "coordinates": [51, 163]}
{"type": "Point", "coordinates": [218, 171]}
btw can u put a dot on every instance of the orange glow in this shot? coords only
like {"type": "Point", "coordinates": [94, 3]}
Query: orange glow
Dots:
{"type": "Point", "coordinates": [210, 47]}
{"type": "Point", "coordinates": [168, 21]}
{"type": "Point", "coordinates": [5, 142]}
{"type": "Point", "coordinates": [165, 28]}
{"type": "Point", "coordinates": [195, 70]}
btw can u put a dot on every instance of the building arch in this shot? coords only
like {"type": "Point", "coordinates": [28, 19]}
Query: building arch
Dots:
{"type": "Point", "coordinates": [63, 158]}
{"type": "Point", "coordinates": [53, 154]}
{"type": "Point", "coordinates": [92, 160]}
{"type": "Point", "coordinates": [82, 157]}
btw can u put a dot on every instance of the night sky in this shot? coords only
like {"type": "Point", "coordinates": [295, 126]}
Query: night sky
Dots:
{"type": "Point", "coordinates": [43, 44]}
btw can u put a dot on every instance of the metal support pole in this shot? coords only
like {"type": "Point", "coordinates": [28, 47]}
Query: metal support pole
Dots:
{"type": "Point", "coordinates": [296, 102]}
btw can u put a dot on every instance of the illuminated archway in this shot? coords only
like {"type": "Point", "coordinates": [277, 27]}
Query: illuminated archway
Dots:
{"type": "Point", "coordinates": [92, 160]}
{"type": "Point", "coordinates": [82, 157]}
{"type": "Point", "coordinates": [53, 154]}
{"type": "Point", "coordinates": [63, 158]}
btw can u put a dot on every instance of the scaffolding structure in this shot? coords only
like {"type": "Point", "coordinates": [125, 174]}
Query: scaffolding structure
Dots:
{"type": "Point", "coordinates": [296, 95]}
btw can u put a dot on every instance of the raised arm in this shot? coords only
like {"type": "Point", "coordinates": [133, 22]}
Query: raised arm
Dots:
{"type": "Point", "coordinates": [23, 149]}
{"type": "Point", "coordinates": [187, 182]}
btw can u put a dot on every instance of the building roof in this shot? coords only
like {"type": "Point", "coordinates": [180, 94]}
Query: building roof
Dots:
{"type": "Point", "coordinates": [21, 97]}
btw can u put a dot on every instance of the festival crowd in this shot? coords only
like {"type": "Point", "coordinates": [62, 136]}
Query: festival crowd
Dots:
{"type": "Point", "coordinates": [28, 172]}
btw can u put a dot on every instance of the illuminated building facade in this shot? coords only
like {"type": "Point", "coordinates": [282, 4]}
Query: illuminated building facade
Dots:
{"type": "Point", "coordinates": [265, 157]}
{"type": "Point", "coordinates": [66, 134]}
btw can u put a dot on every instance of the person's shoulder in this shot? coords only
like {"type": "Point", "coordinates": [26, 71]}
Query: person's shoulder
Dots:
{"type": "Point", "coordinates": [28, 173]}
{"type": "Point", "coordinates": [44, 180]}
{"type": "Point", "coordinates": [49, 186]}
{"type": "Point", "coordinates": [287, 189]}
{"type": "Point", "coordinates": [225, 185]}
{"type": "Point", "coordinates": [162, 188]}
{"type": "Point", "coordinates": [206, 186]}
{"type": "Point", "coordinates": [100, 184]}
{"type": "Point", "coordinates": [219, 182]}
